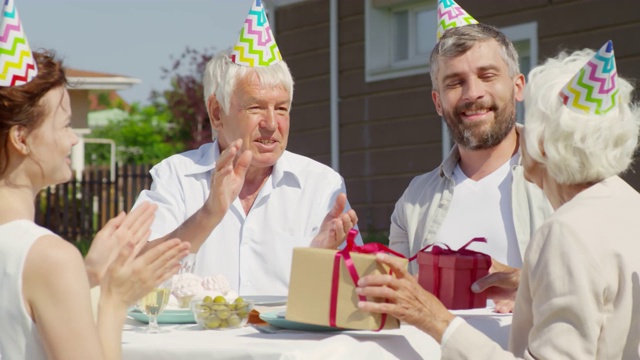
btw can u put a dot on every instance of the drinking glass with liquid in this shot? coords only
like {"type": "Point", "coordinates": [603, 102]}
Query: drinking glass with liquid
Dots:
{"type": "Point", "coordinates": [153, 303]}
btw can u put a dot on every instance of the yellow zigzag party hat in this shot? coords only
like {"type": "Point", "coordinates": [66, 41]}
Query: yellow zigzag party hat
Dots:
{"type": "Point", "coordinates": [451, 15]}
{"type": "Point", "coordinates": [593, 89]}
{"type": "Point", "coordinates": [256, 45]}
{"type": "Point", "coordinates": [16, 59]}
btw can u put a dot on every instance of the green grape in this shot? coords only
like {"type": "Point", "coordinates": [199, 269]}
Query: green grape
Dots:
{"type": "Point", "coordinates": [212, 322]}
{"type": "Point", "coordinates": [223, 313]}
{"type": "Point", "coordinates": [234, 320]}
{"type": "Point", "coordinates": [203, 312]}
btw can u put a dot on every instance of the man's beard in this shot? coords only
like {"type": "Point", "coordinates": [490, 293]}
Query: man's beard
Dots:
{"type": "Point", "coordinates": [479, 135]}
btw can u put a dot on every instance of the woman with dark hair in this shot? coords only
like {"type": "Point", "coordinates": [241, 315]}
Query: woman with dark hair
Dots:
{"type": "Point", "coordinates": [44, 288]}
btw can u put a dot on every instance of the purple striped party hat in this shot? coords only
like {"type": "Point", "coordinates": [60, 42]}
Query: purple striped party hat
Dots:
{"type": "Point", "coordinates": [16, 59]}
{"type": "Point", "coordinates": [593, 89]}
{"type": "Point", "coordinates": [256, 45]}
{"type": "Point", "coordinates": [451, 15]}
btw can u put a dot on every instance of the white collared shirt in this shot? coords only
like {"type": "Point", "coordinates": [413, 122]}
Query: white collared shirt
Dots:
{"type": "Point", "coordinates": [252, 250]}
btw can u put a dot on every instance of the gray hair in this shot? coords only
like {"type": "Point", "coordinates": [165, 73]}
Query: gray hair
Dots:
{"type": "Point", "coordinates": [221, 76]}
{"type": "Point", "coordinates": [577, 148]}
{"type": "Point", "coordinates": [458, 40]}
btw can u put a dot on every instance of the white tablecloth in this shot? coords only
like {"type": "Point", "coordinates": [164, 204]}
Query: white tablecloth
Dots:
{"type": "Point", "coordinates": [191, 342]}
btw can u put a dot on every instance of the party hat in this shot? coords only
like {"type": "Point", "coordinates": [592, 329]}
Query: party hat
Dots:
{"type": "Point", "coordinates": [16, 59]}
{"type": "Point", "coordinates": [593, 90]}
{"type": "Point", "coordinates": [451, 15]}
{"type": "Point", "coordinates": [256, 45]}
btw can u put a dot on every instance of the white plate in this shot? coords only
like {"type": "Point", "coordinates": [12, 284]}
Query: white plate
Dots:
{"type": "Point", "coordinates": [266, 300]}
{"type": "Point", "coordinates": [477, 312]}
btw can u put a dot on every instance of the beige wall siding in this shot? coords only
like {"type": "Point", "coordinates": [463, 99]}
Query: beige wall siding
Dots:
{"type": "Point", "coordinates": [389, 130]}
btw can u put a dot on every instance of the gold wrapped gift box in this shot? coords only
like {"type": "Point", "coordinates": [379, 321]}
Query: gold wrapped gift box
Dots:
{"type": "Point", "coordinates": [309, 299]}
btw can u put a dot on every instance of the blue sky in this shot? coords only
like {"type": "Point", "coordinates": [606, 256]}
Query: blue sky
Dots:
{"type": "Point", "coordinates": [130, 37]}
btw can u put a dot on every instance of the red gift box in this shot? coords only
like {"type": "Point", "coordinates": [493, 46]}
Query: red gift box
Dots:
{"type": "Point", "coordinates": [448, 274]}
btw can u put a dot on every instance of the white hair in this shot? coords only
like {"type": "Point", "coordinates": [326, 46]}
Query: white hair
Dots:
{"type": "Point", "coordinates": [221, 75]}
{"type": "Point", "coordinates": [577, 148]}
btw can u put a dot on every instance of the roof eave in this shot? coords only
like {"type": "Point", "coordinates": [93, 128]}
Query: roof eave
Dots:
{"type": "Point", "coordinates": [101, 83]}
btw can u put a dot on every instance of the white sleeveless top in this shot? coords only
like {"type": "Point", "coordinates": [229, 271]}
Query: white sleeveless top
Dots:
{"type": "Point", "coordinates": [19, 338]}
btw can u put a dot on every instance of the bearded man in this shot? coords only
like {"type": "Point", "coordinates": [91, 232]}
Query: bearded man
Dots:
{"type": "Point", "coordinates": [479, 190]}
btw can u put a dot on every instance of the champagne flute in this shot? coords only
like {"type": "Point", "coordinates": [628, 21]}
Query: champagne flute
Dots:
{"type": "Point", "coordinates": [153, 303]}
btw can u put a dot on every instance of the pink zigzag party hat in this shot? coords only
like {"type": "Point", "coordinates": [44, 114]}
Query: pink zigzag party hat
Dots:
{"type": "Point", "coordinates": [256, 45]}
{"type": "Point", "coordinates": [593, 89]}
{"type": "Point", "coordinates": [451, 15]}
{"type": "Point", "coordinates": [16, 59]}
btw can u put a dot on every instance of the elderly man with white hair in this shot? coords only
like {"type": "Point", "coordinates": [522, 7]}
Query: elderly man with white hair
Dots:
{"type": "Point", "coordinates": [243, 201]}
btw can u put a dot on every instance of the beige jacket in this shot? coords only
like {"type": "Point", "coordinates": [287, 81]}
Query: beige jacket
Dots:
{"type": "Point", "coordinates": [579, 294]}
{"type": "Point", "coordinates": [421, 210]}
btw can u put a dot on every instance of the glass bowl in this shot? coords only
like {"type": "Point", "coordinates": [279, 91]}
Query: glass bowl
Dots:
{"type": "Point", "coordinates": [219, 314]}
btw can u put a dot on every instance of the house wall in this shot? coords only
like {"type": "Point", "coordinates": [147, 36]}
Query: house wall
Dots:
{"type": "Point", "coordinates": [389, 130]}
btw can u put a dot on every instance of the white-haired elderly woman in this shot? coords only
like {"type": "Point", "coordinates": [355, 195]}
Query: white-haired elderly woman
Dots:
{"type": "Point", "coordinates": [579, 293]}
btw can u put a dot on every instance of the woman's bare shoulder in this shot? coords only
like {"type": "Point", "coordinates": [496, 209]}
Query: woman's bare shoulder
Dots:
{"type": "Point", "coordinates": [52, 258]}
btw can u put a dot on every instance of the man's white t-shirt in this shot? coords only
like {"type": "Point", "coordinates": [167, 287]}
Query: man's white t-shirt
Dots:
{"type": "Point", "coordinates": [483, 209]}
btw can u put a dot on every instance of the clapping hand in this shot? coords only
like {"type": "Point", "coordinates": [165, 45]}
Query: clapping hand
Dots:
{"type": "Point", "coordinates": [109, 241]}
{"type": "Point", "coordinates": [129, 277]}
{"type": "Point", "coordinates": [336, 225]}
{"type": "Point", "coordinates": [228, 177]}
{"type": "Point", "coordinates": [126, 276]}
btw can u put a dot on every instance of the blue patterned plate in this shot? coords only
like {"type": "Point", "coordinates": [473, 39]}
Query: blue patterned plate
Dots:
{"type": "Point", "coordinates": [276, 319]}
{"type": "Point", "coordinates": [168, 316]}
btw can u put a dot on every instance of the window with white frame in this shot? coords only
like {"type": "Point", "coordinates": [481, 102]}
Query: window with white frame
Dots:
{"type": "Point", "coordinates": [401, 33]}
{"type": "Point", "coordinates": [525, 39]}
{"type": "Point", "coordinates": [399, 37]}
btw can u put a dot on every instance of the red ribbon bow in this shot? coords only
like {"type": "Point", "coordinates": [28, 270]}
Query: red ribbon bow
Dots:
{"type": "Point", "coordinates": [437, 250]}
{"type": "Point", "coordinates": [370, 248]}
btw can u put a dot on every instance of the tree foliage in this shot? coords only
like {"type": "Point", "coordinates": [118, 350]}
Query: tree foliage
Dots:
{"type": "Point", "coordinates": [185, 97]}
{"type": "Point", "coordinates": [176, 120]}
{"type": "Point", "coordinates": [145, 136]}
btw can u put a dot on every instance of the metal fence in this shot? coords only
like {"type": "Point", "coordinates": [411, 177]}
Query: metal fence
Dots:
{"type": "Point", "coordinates": [77, 209]}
